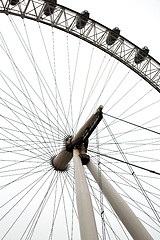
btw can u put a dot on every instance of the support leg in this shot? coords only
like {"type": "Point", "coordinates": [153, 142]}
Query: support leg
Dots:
{"type": "Point", "coordinates": [87, 223]}
{"type": "Point", "coordinates": [124, 212]}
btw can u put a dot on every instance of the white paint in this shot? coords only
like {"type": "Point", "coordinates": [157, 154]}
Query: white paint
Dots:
{"type": "Point", "coordinates": [85, 211]}
{"type": "Point", "coordinates": [124, 212]}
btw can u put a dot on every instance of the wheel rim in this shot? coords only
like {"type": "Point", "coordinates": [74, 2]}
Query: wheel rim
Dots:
{"type": "Point", "coordinates": [30, 127]}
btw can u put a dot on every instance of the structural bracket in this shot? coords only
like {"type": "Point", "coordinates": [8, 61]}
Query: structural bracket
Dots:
{"type": "Point", "coordinates": [80, 141]}
{"type": "Point", "coordinates": [86, 130]}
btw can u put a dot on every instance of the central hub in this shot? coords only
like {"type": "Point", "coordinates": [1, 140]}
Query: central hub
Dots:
{"type": "Point", "coordinates": [79, 141]}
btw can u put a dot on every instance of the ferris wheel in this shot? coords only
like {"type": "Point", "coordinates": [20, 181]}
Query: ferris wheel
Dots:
{"type": "Point", "coordinates": [79, 127]}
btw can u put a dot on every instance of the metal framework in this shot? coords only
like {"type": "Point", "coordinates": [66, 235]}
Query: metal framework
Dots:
{"type": "Point", "coordinates": [94, 33]}
{"type": "Point", "coordinates": [124, 51]}
{"type": "Point", "coordinates": [87, 222]}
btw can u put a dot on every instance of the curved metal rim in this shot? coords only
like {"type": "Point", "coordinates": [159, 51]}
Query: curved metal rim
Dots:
{"type": "Point", "coordinates": [94, 33]}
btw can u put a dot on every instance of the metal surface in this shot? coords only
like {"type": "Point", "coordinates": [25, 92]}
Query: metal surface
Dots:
{"type": "Point", "coordinates": [86, 130]}
{"type": "Point", "coordinates": [87, 223]}
{"type": "Point", "coordinates": [94, 33]}
{"type": "Point", "coordinates": [62, 159]}
{"type": "Point", "coordinates": [124, 212]}
{"type": "Point", "coordinates": [60, 162]}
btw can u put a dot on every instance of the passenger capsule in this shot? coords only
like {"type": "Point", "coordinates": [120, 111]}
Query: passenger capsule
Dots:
{"type": "Point", "coordinates": [82, 19]}
{"type": "Point", "coordinates": [49, 7]}
{"type": "Point", "coordinates": [13, 2]}
{"type": "Point", "coordinates": [113, 36]}
{"type": "Point", "coordinates": [141, 55]}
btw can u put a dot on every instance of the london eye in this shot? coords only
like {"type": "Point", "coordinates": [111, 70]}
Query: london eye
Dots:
{"type": "Point", "coordinates": [79, 127]}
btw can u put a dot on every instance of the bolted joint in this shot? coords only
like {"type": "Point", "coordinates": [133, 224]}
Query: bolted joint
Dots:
{"type": "Point", "coordinates": [68, 141]}
{"type": "Point", "coordinates": [79, 141]}
{"type": "Point", "coordinates": [86, 130]}
{"type": "Point", "coordinates": [84, 158]}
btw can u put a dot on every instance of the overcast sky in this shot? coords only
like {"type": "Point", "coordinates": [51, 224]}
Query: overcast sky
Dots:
{"type": "Point", "coordinates": [138, 21]}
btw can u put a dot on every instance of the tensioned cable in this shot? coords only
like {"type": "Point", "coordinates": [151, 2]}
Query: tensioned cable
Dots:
{"type": "Point", "coordinates": [95, 160]}
{"type": "Point", "coordinates": [100, 184]}
{"type": "Point", "coordinates": [18, 114]}
{"type": "Point", "coordinates": [21, 191]}
{"type": "Point", "coordinates": [110, 75]}
{"type": "Point", "coordinates": [116, 89]}
{"type": "Point", "coordinates": [54, 77]}
{"type": "Point", "coordinates": [18, 148]}
{"type": "Point", "coordinates": [127, 182]}
{"type": "Point", "coordinates": [58, 204]}
{"type": "Point", "coordinates": [26, 50]}
{"type": "Point", "coordinates": [106, 221]}
{"type": "Point", "coordinates": [111, 169]}
{"type": "Point", "coordinates": [27, 111]}
{"type": "Point", "coordinates": [134, 149]}
{"type": "Point", "coordinates": [133, 144]}
{"type": "Point", "coordinates": [24, 195]}
{"type": "Point", "coordinates": [71, 189]}
{"type": "Point", "coordinates": [137, 101]}
{"type": "Point", "coordinates": [15, 172]}
{"type": "Point", "coordinates": [98, 211]}
{"type": "Point", "coordinates": [64, 206]}
{"type": "Point", "coordinates": [147, 159]}
{"type": "Point", "coordinates": [145, 107]}
{"type": "Point", "coordinates": [24, 175]}
{"type": "Point", "coordinates": [64, 113]}
{"type": "Point", "coordinates": [11, 89]}
{"type": "Point", "coordinates": [66, 177]}
{"type": "Point", "coordinates": [38, 78]}
{"type": "Point", "coordinates": [108, 78]}
{"type": "Point", "coordinates": [55, 80]}
{"type": "Point", "coordinates": [54, 207]}
{"type": "Point", "coordinates": [29, 160]}
{"type": "Point", "coordinates": [133, 124]}
{"type": "Point", "coordinates": [70, 107]}
{"type": "Point", "coordinates": [132, 172]}
{"type": "Point", "coordinates": [128, 163]}
{"type": "Point", "coordinates": [124, 95]}
{"type": "Point", "coordinates": [129, 145]}
{"type": "Point", "coordinates": [34, 221]}
{"type": "Point", "coordinates": [15, 136]}
{"type": "Point", "coordinates": [126, 193]}
{"type": "Point", "coordinates": [97, 79]}
{"type": "Point", "coordinates": [122, 175]}
{"type": "Point", "coordinates": [57, 89]}
{"type": "Point", "coordinates": [13, 65]}
{"type": "Point", "coordinates": [75, 69]}
{"type": "Point", "coordinates": [18, 138]}
{"type": "Point", "coordinates": [84, 89]}
{"type": "Point", "coordinates": [16, 219]}
{"type": "Point", "coordinates": [139, 203]}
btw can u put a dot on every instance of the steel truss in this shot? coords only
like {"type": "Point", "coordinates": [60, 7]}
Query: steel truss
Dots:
{"type": "Point", "coordinates": [124, 51]}
{"type": "Point", "coordinates": [94, 33]}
